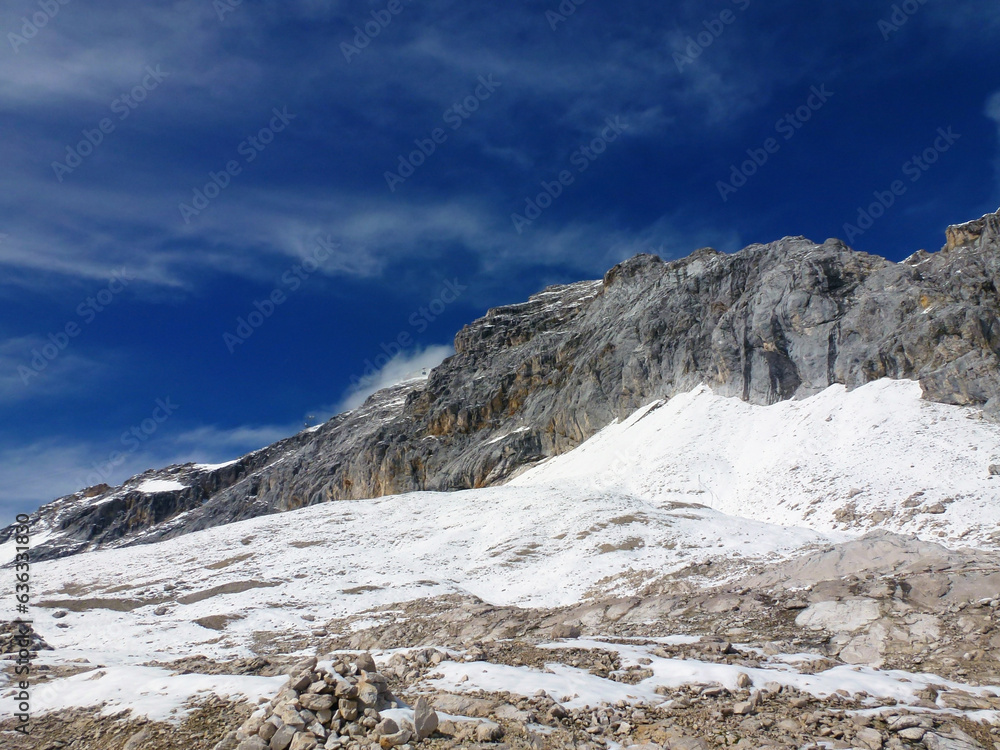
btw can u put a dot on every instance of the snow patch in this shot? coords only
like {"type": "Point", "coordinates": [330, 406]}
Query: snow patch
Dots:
{"type": "Point", "coordinates": [160, 485]}
{"type": "Point", "coordinates": [147, 691]}
{"type": "Point", "coordinates": [216, 467]}
{"type": "Point", "coordinates": [577, 688]}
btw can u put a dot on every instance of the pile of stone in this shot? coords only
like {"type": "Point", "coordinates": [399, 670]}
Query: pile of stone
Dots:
{"type": "Point", "coordinates": [337, 709]}
{"type": "Point", "coordinates": [16, 635]}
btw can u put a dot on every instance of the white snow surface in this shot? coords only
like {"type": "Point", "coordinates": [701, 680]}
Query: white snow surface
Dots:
{"type": "Point", "coordinates": [224, 464]}
{"type": "Point", "coordinates": [797, 463]}
{"type": "Point", "coordinates": [160, 485]}
{"type": "Point", "coordinates": [507, 545]}
{"type": "Point", "coordinates": [578, 688]}
{"type": "Point", "coordinates": [697, 478]}
{"type": "Point", "coordinates": [149, 691]}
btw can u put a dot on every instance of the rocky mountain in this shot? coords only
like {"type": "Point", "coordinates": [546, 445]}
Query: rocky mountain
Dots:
{"type": "Point", "coordinates": [694, 577]}
{"type": "Point", "coordinates": [534, 380]}
{"type": "Point", "coordinates": [732, 501]}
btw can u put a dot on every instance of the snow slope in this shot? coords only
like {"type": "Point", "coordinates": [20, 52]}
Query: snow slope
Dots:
{"type": "Point", "coordinates": [214, 592]}
{"type": "Point", "coordinates": [697, 478]}
{"type": "Point", "coordinates": [839, 460]}
{"type": "Point", "coordinates": [507, 545]}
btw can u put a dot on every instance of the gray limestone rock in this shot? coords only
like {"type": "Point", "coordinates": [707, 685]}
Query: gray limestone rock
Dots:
{"type": "Point", "coordinates": [282, 738]}
{"type": "Point", "coordinates": [533, 380]}
{"type": "Point", "coordinates": [425, 719]}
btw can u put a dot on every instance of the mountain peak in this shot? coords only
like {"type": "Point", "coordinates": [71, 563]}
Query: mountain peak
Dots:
{"type": "Point", "coordinates": [975, 233]}
{"type": "Point", "coordinates": [635, 266]}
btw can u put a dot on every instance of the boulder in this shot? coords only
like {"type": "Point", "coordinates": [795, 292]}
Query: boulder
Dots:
{"type": "Point", "coordinates": [394, 740]}
{"type": "Point", "coordinates": [425, 719]}
{"type": "Point", "coordinates": [565, 630]}
{"type": "Point", "coordinates": [368, 695]}
{"type": "Point", "coordinates": [463, 705]}
{"type": "Point", "coordinates": [289, 716]}
{"type": "Point", "coordinates": [869, 738]}
{"type": "Point", "coordinates": [282, 739]}
{"type": "Point", "coordinates": [365, 662]}
{"type": "Point", "coordinates": [317, 702]}
{"type": "Point", "coordinates": [489, 732]}
{"type": "Point", "coordinates": [268, 729]}
{"type": "Point", "coordinates": [839, 616]}
{"type": "Point", "coordinates": [348, 709]}
{"type": "Point", "coordinates": [137, 740]}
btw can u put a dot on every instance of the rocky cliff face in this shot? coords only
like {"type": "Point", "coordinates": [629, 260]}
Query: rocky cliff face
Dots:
{"type": "Point", "coordinates": [529, 381]}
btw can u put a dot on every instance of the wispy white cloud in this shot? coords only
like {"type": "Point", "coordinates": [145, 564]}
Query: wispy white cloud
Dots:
{"type": "Point", "coordinates": [40, 472]}
{"type": "Point", "coordinates": [993, 112]}
{"type": "Point", "coordinates": [403, 366]}
{"type": "Point", "coordinates": [46, 469]}
{"type": "Point", "coordinates": [993, 108]}
{"type": "Point", "coordinates": [87, 54]}
{"type": "Point", "coordinates": [33, 367]}
{"type": "Point", "coordinates": [961, 20]}
{"type": "Point", "coordinates": [43, 470]}
{"type": "Point", "coordinates": [210, 442]}
{"type": "Point", "coordinates": [252, 233]}
{"type": "Point", "coordinates": [116, 211]}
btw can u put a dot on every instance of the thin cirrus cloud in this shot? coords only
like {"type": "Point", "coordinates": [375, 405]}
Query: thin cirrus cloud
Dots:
{"type": "Point", "coordinates": [44, 469]}
{"type": "Point", "coordinates": [209, 442]}
{"type": "Point", "coordinates": [91, 53]}
{"type": "Point", "coordinates": [54, 467]}
{"type": "Point", "coordinates": [32, 368]}
{"type": "Point", "coordinates": [67, 63]}
{"type": "Point", "coordinates": [992, 111]}
{"type": "Point", "coordinates": [254, 235]}
{"type": "Point", "coordinates": [403, 366]}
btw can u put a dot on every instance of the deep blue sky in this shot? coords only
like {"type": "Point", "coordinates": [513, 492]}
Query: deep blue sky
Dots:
{"type": "Point", "coordinates": [684, 122]}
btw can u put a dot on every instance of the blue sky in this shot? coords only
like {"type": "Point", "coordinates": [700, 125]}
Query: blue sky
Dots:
{"type": "Point", "coordinates": [172, 168]}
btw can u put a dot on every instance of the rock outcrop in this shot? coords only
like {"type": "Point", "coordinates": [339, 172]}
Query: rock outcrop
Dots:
{"type": "Point", "coordinates": [529, 381]}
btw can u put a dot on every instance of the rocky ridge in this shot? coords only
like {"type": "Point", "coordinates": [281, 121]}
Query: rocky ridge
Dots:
{"type": "Point", "coordinates": [529, 381]}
